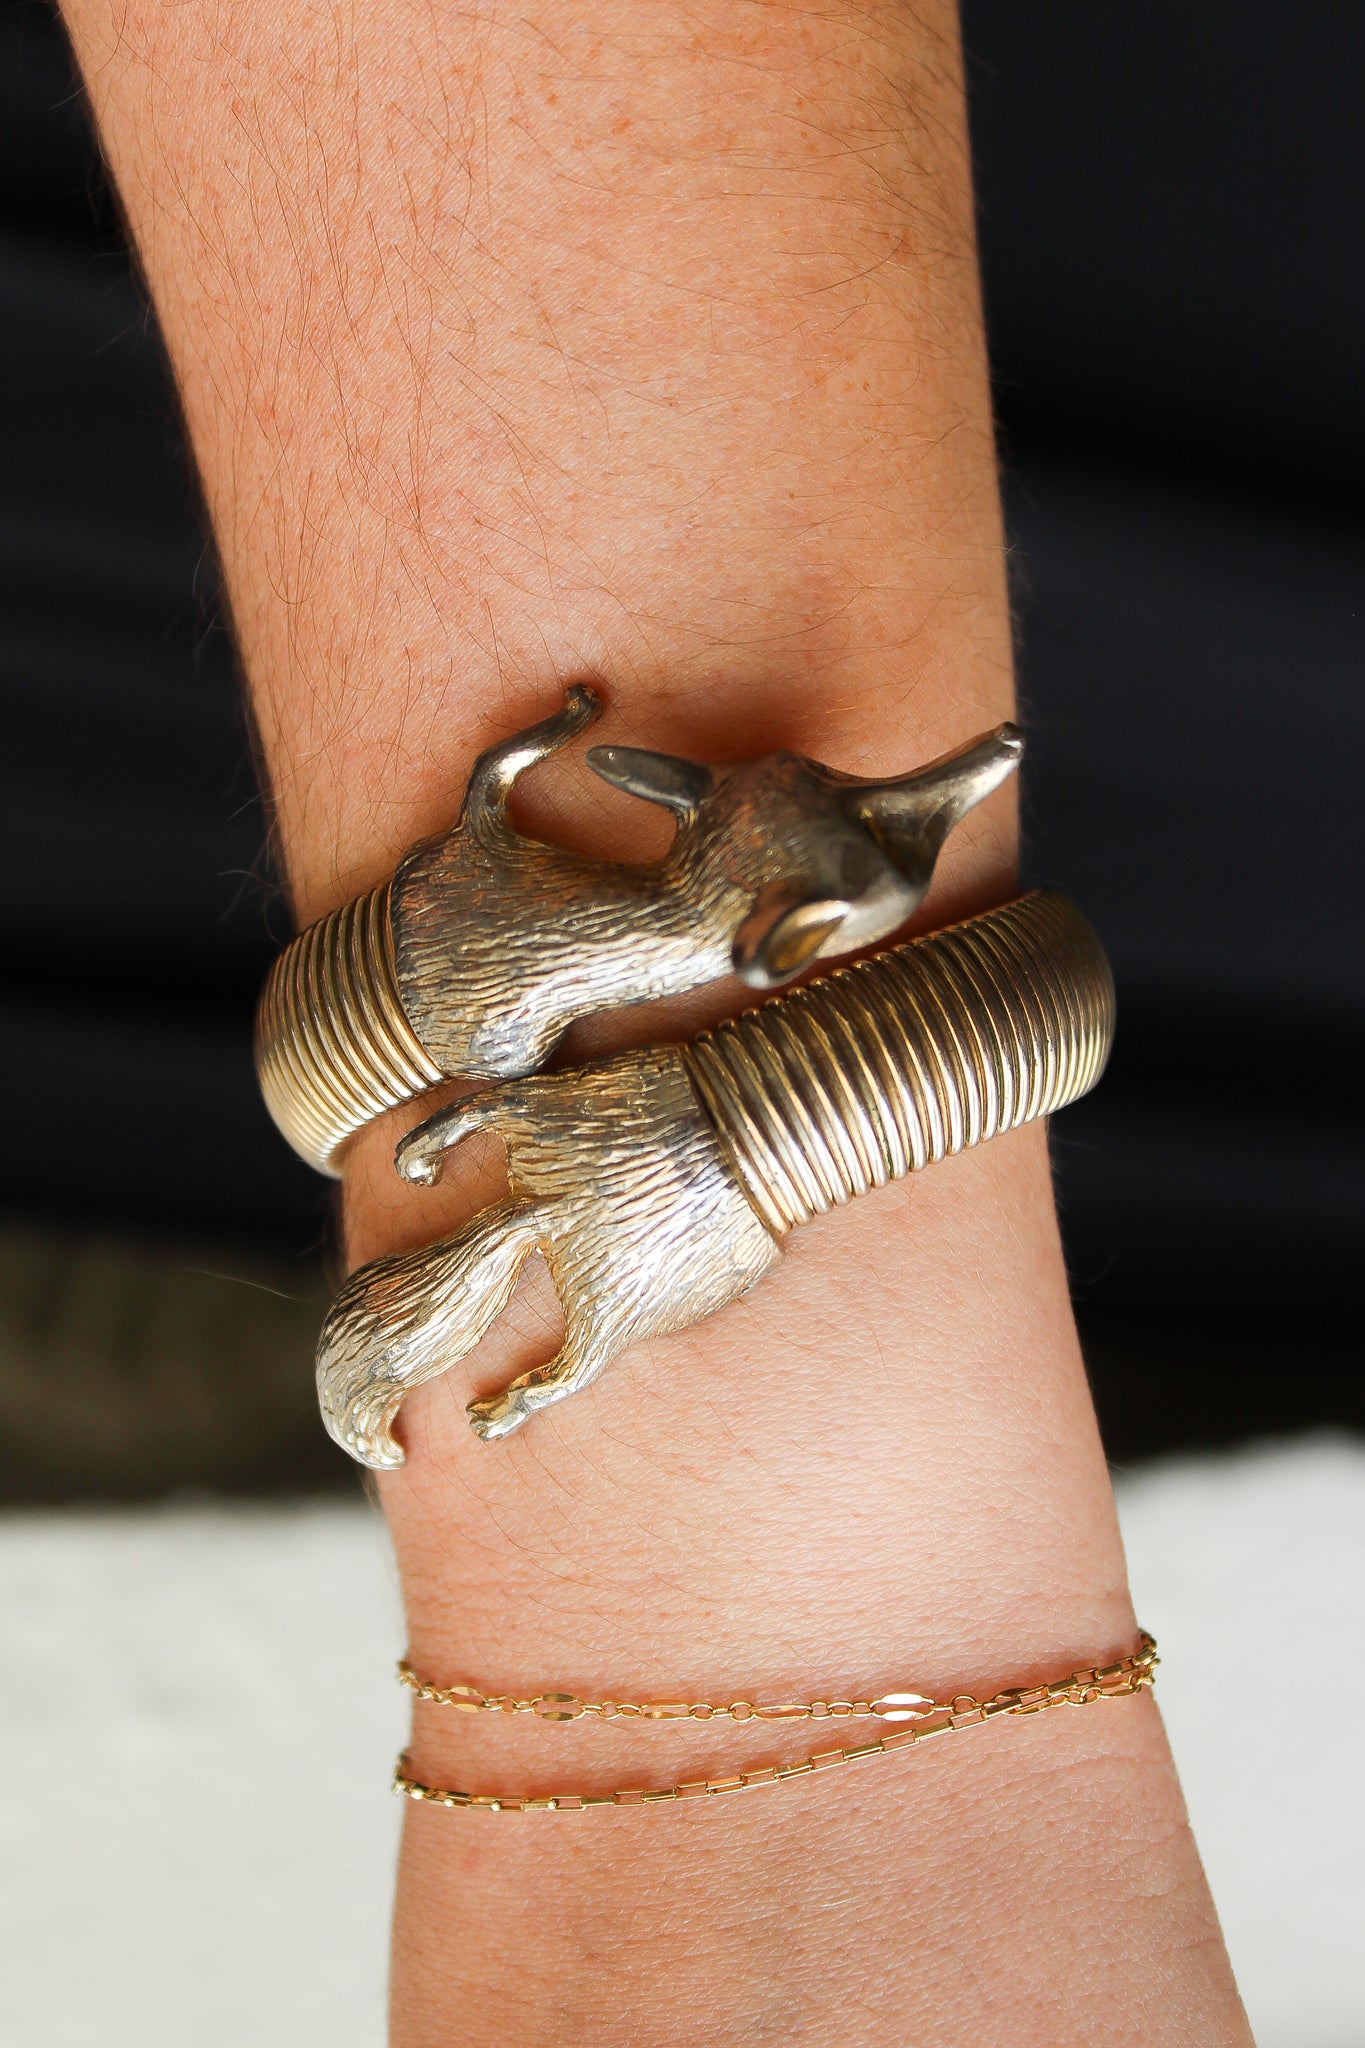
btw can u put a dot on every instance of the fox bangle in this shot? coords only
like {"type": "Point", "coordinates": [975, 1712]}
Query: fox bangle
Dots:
{"type": "Point", "coordinates": [660, 1184]}
{"type": "Point", "coordinates": [486, 944]}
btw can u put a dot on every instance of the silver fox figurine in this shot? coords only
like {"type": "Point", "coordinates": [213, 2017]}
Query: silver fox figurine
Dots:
{"type": "Point", "coordinates": [488, 943]}
{"type": "Point", "coordinates": [501, 940]}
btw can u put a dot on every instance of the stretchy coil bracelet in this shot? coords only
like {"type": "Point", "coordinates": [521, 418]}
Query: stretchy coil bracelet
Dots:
{"type": "Point", "coordinates": [659, 1184]}
{"type": "Point", "coordinates": [931, 1718]}
{"type": "Point", "coordinates": [486, 944]}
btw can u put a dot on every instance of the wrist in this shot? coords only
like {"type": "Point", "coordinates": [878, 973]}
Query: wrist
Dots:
{"type": "Point", "coordinates": [961, 1268]}
{"type": "Point", "coordinates": [883, 1458]}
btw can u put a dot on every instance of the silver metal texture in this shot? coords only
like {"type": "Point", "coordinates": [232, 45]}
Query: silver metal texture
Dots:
{"type": "Point", "coordinates": [489, 943]}
{"type": "Point", "coordinates": [660, 1184]}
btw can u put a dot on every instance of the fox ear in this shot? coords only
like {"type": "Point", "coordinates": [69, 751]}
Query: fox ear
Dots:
{"type": "Point", "coordinates": [680, 786]}
{"type": "Point", "coordinates": [782, 935]}
{"type": "Point", "coordinates": [913, 815]}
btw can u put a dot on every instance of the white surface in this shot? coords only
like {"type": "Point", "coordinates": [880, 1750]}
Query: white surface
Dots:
{"type": "Point", "coordinates": [166, 1878]}
{"type": "Point", "coordinates": [197, 1724]}
{"type": "Point", "coordinates": [1250, 1572]}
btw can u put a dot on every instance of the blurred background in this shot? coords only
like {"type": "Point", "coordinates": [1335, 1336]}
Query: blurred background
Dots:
{"type": "Point", "coordinates": [1172, 204]}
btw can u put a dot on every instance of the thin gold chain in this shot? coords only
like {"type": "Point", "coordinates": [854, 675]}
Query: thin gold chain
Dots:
{"type": "Point", "coordinates": [566, 1706]}
{"type": "Point", "coordinates": [932, 1717]}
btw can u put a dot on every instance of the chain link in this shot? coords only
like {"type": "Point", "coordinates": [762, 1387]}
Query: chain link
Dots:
{"type": "Point", "coordinates": [934, 1717]}
{"type": "Point", "coordinates": [565, 1706]}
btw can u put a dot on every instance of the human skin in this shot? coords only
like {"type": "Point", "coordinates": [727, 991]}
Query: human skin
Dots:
{"type": "Point", "coordinates": [520, 344]}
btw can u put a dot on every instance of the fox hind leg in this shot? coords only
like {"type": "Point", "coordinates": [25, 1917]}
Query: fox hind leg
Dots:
{"type": "Point", "coordinates": [403, 1320]}
{"type": "Point", "coordinates": [584, 1352]}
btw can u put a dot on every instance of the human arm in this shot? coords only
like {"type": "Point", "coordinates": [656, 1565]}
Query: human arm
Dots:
{"type": "Point", "coordinates": [644, 343]}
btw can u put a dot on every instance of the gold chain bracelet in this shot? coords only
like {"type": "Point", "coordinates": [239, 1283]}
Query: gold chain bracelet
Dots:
{"type": "Point", "coordinates": [1121, 1680]}
{"type": "Point", "coordinates": [565, 1706]}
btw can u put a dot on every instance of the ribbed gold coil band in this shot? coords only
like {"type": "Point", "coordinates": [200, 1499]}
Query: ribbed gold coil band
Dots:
{"type": "Point", "coordinates": [883, 1068]}
{"type": "Point", "coordinates": [333, 1046]}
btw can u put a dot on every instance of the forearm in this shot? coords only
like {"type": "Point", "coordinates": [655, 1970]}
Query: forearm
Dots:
{"type": "Point", "coordinates": [644, 344]}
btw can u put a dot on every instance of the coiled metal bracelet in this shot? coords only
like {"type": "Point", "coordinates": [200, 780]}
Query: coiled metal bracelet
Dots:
{"type": "Point", "coordinates": [487, 943]}
{"type": "Point", "coordinates": [660, 1183]}
{"type": "Point", "coordinates": [884, 1068]}
{"type": "Point", "coordinates": [334, 1047]}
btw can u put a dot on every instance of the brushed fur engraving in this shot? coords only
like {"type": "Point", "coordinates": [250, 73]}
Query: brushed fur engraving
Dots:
{"type": "Point", "coordinates": [501, 940]}
{"type": "Point", "coordinates": [617, 1177]}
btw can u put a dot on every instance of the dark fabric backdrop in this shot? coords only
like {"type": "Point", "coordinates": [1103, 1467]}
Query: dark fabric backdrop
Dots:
{"type": "Point", "coordinates": [1171, 202]}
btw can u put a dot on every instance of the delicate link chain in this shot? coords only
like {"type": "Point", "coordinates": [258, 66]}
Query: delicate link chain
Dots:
{"type": "Point", "coordinates": [565, 1706]}
{"type": "Point", "coordinates": [936, 1717]}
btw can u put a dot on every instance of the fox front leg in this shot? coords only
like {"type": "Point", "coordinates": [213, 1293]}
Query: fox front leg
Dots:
{"type": "Point", "coordinates": [494, 774]}
{"type": "Point", "coordinates": [420, 1156]}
